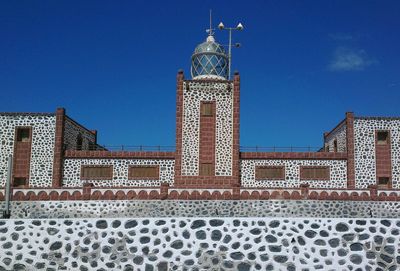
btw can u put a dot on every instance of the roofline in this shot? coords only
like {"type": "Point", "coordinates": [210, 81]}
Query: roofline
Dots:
{"type": "Point", "coordinates": [377, 118]}
{"type": "Point", "coordinates": [25, 114]}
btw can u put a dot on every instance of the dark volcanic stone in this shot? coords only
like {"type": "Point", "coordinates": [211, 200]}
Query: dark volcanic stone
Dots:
{"type": "Point", "coordinates": [216, 222]}
{"type": "Point", "coordinates": [177, 244]}
{"type": "Point", "coordinates": [341, 227]}
{"type": "Point", "coordinates": [197, 224]}
{"type": "Point", "coordinates": [56, 245]}
{"type": "Point", "coordinates": [130, 224]}
{"type": "Point", "coordinates": [101, 224]}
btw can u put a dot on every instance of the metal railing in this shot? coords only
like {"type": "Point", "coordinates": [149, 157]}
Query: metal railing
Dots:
{"type": "Point", "coordinates": [172, 148]}
{"type": "Point", "coordinates": [279, 149]}
{"type": "Point", "coordinates": [135, 148]}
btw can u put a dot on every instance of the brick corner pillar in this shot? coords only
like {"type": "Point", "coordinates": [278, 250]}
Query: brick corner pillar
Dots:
{"type": "Point", "coordinates": [236, 130]}
{"type": "Point", "coordinates": [87, 191]}
{"type": "Point", "coordinates": [351, 182]}
{"type": "Point", "coordinates": [179, 116]}
{"type": "Point", "coordinates": [164, 190]}
{"type": "Point", "coordinates": [58, 148]}
{"type": "Point", "coordinates": [305, 190]}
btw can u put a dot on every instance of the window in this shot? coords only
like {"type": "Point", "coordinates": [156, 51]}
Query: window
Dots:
{"type": "Point", "coordinates": [143, 172]}
{"type": "Point", "coordinates": [206, 169]}
{"type": "Point", "coordinates": [270, 172]}
{"type": "Point", "coordinates": [335, 145]}
{"type": "Point", "coordinates": [314, 173]}
{"type": "Point", "coordinates": [207, 109]}
{"type": "Point", "coordinates": [97, 172]}
{"type": "Point", "coordinates": [383, 182]}
{"type": "Point", "coordinates": [23, 134]}
{"type": "Point", "coordinates": [382, 137]}
{"type": "Point", "coordinates": [79, 142]}
{"type": "Point", "coordinates": [19, 182]}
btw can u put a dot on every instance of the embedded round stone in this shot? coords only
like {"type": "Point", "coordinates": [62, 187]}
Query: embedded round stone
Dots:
{"type": "Point", "coordinates": [56, 245]}
{"type": "Point", "coordinates": [341, 227]}
{"type": "Point", "coordinates": [101, 224]}
{"type": "Point", "coordinates": [197, 224]}
{"type": "Point", "coordinates": [130, 224]}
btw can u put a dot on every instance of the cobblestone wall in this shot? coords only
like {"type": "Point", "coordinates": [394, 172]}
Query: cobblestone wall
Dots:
{"type": "Point", "coordinates": [72, 172]}
{"type": "Point", "coordinates": [200, 244]}
{"type": "Point", "coordinates": [364, 149]}
{"type": "Point", "coordinates": [338, 173]}
{"type": "Point", "coordinates": [204, 208]}
{"type": "Point", "coordinates": [42, 152]}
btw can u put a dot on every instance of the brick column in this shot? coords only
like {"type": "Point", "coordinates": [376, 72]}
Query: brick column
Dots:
{"type": "Point", "coordinates": [164, 190]}
{"type": "Point", "coordinates": [179, 116]}
{"type": "Point", "coordinates": [351, 182]}
{"type": "Point", "coordinates": [58, 148]}
{"type": "Point", "coordinates": [236, 130]}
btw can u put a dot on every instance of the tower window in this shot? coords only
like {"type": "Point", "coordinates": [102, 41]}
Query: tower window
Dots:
{"type": "Point", "coordinates": [23, 134]}
{"type": "Point", "coordinates": [207, 109]}
{"type": "Point", "coordinates": [19, 182]}
{"type": "Point", "coordinates": [314, 173]}
{"type": "Point", "coordinates": [382, 137]}
{"type": "Point", "coordinates": [270, 173]}
{"type": "Point", "coordinates": [383, 182]}
{"type": "Point", "coordinates": [206, 169]}
{"type": "Point", "coordinates": [143, 172]}
{"type": "Point", "coordinates": [97, 172]}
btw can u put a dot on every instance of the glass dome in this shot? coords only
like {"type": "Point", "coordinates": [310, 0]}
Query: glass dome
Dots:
{"type": "Point", "coordinates": [209, 60]}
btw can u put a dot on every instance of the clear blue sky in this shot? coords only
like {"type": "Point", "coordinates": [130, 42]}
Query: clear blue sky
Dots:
{"type": "Point", "coordinates": [113, 64]}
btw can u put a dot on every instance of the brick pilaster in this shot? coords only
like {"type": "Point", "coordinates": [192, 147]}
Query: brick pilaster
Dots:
{"type": "Point", "coordinates": [350, 150]}
{"type": "Point", "coordinates": [236, 130]}
{"type": "Point", "coordinates": [58, 148]}
{"type": "Point", "coordinates": [179, 116]}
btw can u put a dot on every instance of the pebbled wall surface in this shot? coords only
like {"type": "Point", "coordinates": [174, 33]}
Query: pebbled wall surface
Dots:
{"type": "Point", "coordinates": [204, 208]}
{"type": "Point", "coordinates": [200, 244]}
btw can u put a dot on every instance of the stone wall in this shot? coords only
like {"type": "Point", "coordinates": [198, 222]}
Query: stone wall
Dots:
{"type": "Point", "coordinates": [221, 93]}
{"type": "Point", "coordinates": [71, 132]}
{"type": "Point", "coordinates": [338, 173]}
{"type": "Point", "coordinates": [42, 152]}
{"type": "Point", "coordinates": [364, 149]}
{"type": "Point", "coordinates": [200, 244]}
{"type": "Point", "coordinates": [204, 208]}
{"type": "Point", "coordinates": [72, 172]}
{"type": "Point", "coordinates": [338, 134]}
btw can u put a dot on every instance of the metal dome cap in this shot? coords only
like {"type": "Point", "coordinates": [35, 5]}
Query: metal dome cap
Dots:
{"type": "Point", "coordinates": [209, 60]}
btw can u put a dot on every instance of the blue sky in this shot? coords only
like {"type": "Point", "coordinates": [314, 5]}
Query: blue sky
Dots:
{"type": "Point", "coordinates": [113, 64]}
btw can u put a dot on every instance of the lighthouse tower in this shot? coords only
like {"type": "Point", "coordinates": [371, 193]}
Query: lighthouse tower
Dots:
{"type": "Point", "coordinates": [207, 121]}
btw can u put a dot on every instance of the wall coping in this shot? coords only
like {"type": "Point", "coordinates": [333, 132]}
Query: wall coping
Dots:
{"type": "Point", "coordinates": [74, 154]}
{"type": "Point", "coordinates": [295, 155]}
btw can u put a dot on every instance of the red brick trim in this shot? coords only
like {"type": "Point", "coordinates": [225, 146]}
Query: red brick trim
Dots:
{"type": "Point", "coordinates": [236, 130]}
{"type": "Point", "coordinates": [58, 148]}
{"type": "Point", "coordinates": [207, 138]}
{"type": "Point", "coordinates": [383, 158]}
{"type": "Point", "coordinates": [351, 182]}
{"type": "Point", "coordinates": [73, 154]}
{"type": "Point", "coordinates": [179, 118]}
{"type": "Point", "coordinates": [89, 192]}
{"type": "Point", "coordinates": [22, 156]}
{"type": "Point", "coordinates": [294, 155]}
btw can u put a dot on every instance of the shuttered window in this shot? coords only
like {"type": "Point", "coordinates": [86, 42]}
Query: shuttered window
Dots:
{"type": "Point", "coordinates": [207, 109]}
{"type": "Point", "coordinates": [270, 172]}
{"type": "Point", "coordinates": [97, 172]}
{"type": "Point", "coordinates": [143, 172]}
{"type": "Point", "coordinates": [206, 169]}
{"type": "Point", "coordinates": [314, 173]}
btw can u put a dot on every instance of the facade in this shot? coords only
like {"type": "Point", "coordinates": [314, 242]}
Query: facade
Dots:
{"type": "Point", "coordinates": [54, 157]}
